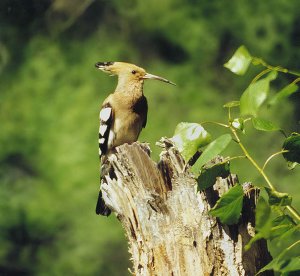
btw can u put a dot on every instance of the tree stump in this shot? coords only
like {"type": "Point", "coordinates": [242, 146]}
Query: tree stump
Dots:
{"type": "Point", "coordinates": [166, 218]}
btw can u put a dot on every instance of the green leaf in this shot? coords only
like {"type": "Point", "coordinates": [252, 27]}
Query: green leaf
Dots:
{"type": "Point", "coordinates": [292, 144]}
{"type": "Point", "coordinates": [189, 137]}
{"type": "Point", "coordinates": [290, 232]}
{"type": "Point", "coordinates": [228, 208]}
{"type": "Point", "coordinates": [264, 125]}
{"type": "Point", "coordinates": [293, 265]}
{"type": "Point", "coordinates": [255, 95]}
{"type": "Point", "coordinates": [281, 225]}
{"type": "Point", "coordinates": [282, 264]}
{"type": "Point", "coordinates": [240, 61]}
{"type": "Point", "coordinates": [209, 174]}
{"type": "Point", "coordinates": [278, 199]}
{"type": "Point", "coordinates": [263, 221]}
{"type": "Point", "coordinates": [275, 265]}
{"type": "Point", "coordinates": [257, 237]}
{"type": "Point", "coordinates": [284, 93]}
{"type": "Point", "coordinates": [292, 165]}
{"type": "Point", "coordinates": [211, 151]}
{"type": "Point", "coordinates": [232, 104]}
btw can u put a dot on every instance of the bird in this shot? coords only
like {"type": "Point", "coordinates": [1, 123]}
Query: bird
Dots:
{"type": "Point", "coordinates": [123, 113]}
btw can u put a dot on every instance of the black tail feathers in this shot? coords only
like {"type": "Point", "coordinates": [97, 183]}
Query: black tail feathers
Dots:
{"type": "Point", "coordinates": [105, 169]}
{"type": "Point", "coordinates": [101, 208]}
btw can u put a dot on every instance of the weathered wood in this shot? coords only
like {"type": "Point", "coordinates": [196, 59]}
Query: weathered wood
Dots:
{"type": "Point", "coordinates": [166, 219]}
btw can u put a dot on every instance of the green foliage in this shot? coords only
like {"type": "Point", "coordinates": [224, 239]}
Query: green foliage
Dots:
{"type": "Point", "coordinates": [255, 95]}
{"type": "Point", "coordinates": [49, 166]}
{"type": "Point", "coordinates": [210, 172]}
{"type": "Point", "coordinates": [292, 146]}
{"type": "Point", "coordinates": [264, 125]}
{"type": "Point", "coordinates": [189, 137]}
{"type": "Point", "coordinates": [267, 226]}
{"type": "Point", "coordinates": [263, 222]}
{"type": "Point", "coordinates": [284, 93]}
{"type": "Point", "coordinates": [283, 264]}
{"type": "Point", "coordinates": [232, 104]}
{"type": "Point", "coordinates": [282, 226]}
{"type": "Point", "coordinates": [272, 222]}
{"type": "Point", "coordinates": [240, 61]}
{"type": "Point", "coordinates": [277, 198]}
{"type": "Point", "coordinates": [263, 219]}
{"type": "Point", "coordinates": [211, 151]}
{"type": "Point", "coordinates": [228, 208]}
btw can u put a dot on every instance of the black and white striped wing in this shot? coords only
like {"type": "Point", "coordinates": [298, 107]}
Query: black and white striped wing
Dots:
{"type": "Point", "coordinates": [106, 135]}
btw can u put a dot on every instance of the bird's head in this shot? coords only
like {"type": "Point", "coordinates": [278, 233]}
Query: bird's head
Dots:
{"type": "Point", "coordinates": [128, 72]}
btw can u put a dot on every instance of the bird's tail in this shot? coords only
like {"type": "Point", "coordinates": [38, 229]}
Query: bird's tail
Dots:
{"type": "Point", "coordinates": [101, 208]}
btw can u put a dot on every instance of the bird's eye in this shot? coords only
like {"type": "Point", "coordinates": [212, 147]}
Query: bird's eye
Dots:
{"type": "Point", "coordinates": [133, 72]}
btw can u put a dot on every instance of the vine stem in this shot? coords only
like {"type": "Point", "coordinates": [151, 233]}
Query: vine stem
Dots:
{"type": "Point", "coordinates": [257, 61]}
{"type": "Point", "coordinates": [215, 123]}
{"type": "Point", "coordinates": [273, 155]}
{"type": "Point", "coordinates": [290, 208]}
{"type": "Point", "coordinates": [236, 157]}
{"type": "Point", "coordinates": [290, 247]}
{"type": "Point", "coordinates": [261, 74]}
{"type": "Point", "coordinates": [295, 81]}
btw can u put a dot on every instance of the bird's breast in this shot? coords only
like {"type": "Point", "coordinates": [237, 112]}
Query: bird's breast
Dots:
{"type": "Point", "coordinates": [127, 127]}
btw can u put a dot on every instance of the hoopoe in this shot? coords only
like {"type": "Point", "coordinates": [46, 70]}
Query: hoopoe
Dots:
{"type": "Point", "coordinates": [123, 113]}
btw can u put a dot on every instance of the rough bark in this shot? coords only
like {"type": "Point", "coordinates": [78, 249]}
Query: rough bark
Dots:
{"type": "Point", "coordinates": [166, 219]}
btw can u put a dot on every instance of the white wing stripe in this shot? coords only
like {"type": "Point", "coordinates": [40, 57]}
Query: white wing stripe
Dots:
{"type": "Point", "coordinates": [105, 114]}
{"type": "Point", "coordinates": [102, 129]}
{"type": "Point", "coordinates": [101, 141]}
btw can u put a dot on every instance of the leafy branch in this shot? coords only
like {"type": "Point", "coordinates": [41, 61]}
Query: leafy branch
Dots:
{"type": "Point", "coordinates": [190, 138]}
{"type": "Point", "coordinates": [261, 171]}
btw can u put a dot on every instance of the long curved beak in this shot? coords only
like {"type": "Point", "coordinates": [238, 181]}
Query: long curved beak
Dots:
{"type": "Point", "coordinates": [154, 77]}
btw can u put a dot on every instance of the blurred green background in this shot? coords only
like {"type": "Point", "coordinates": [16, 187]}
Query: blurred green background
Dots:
{"type": "Point", "coordinates": [50, 95]}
